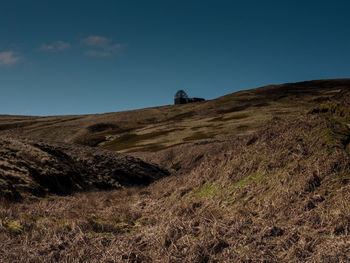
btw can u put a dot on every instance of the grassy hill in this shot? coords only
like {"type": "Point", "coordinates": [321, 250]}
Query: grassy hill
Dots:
{"type": "Point", "coordinates": [158, 128]}
{"type": "Point", "coordinates": [255, 176]}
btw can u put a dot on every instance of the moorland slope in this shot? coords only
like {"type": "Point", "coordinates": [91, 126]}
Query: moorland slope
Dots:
{"type": "Point", "coordinates": [153, 129]}
{"type": "Point", "coordinates": [276, 191]}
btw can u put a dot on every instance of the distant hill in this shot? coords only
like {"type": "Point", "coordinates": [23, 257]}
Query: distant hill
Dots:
{"type": "Point", "coordinates": [157, 128]}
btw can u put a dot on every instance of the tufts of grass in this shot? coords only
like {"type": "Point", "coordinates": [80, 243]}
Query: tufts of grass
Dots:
{"type": "Point", "coordinates": [337, 137]}
{"type": "Point", "coordinates": [206, 190]}
{"type": "Point", "coordinates": [249, 179]}
{"type": "Point", "coordinates": [335, 109]}
{"type": "Point", "coordinates": [284, 194]}
{"type": "Point", "coordinates": [11, 226]}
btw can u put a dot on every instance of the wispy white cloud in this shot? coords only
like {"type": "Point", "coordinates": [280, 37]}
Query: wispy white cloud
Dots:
{"type": "Point", "coordinates": [96, 41]}
{"type": "Point", "coordinates": [8, 58]}
{"type": "Point", "coordinates": [100, 46]}
{"type": "Point", "coordinates": [55, 47]}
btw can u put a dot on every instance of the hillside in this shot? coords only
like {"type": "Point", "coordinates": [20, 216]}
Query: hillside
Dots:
{"type": "Point", "coordinates": [277, 190]}
{"type": "Point", "coordinates": [158, 128]}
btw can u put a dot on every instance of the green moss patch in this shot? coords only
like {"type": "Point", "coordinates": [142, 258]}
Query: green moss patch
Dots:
{"type": "Point", "coordinates": [207, 190]}
{"type": "Point", "coordinates": [249, 179]}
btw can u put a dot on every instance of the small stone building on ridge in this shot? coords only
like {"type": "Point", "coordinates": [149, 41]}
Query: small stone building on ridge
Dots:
{"type": "Point", "coordinates": [182, 98]}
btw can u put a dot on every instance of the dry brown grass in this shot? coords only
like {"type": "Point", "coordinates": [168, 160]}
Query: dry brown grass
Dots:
{"type": "Point", "coordinates": [216, 118]}
{"type": "Point", "coordinates": [31, 168]}
{"type": "Point", "coordinates": [279, 195]}
{"type": "Point", "coordinates": [277, 190]}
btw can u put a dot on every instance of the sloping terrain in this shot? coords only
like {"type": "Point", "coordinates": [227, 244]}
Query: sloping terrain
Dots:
{"type": "Point", "coordinates": [279, 195]}
{"type": "Point", "coordinates": [278, 192]}
{"type": "Point", "coordinates": [158, 128]}
{"type": "Point", "coordinates": [35, 168]}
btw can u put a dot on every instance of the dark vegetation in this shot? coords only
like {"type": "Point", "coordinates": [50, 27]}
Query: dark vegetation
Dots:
{"type": "Point", "coordinates": [17, 125]}
{"type": "Point", "coordinates": [234, 109]}
{"type": "Point", "coordinates": [279, 191]}
{"type": "Point", "coordinates": [30, 169]}
{"type": "Point", "coordinates": [182, 116]}
{"type": "Point", "coordinates": [233, 117]}
{"type": "Point", "coordinates": [91, 140]}
{"type": "Point", "coordinates": [198, 136]}
{"type": "Point", "coordinates": [99, 127]}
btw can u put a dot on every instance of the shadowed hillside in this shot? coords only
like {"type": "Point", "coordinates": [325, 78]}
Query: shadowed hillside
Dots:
{"type": "Point", "coordinates": [276, 191]}
{"type": "Point", "coordinates": [35, 168]}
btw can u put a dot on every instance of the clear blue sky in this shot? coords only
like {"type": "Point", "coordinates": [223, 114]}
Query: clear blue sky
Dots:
{"type": "Point", "coordinates": [82, 56]}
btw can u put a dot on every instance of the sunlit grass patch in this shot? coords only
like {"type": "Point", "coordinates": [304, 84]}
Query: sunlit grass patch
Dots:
{"type": "Point", "coordinates": [11, 226]}
{"type": "Point", "coordinates": [206, 190]}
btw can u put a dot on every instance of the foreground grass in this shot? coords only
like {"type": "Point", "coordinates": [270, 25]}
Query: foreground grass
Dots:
{"type": "Point", "coordinates": [279, 195]}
